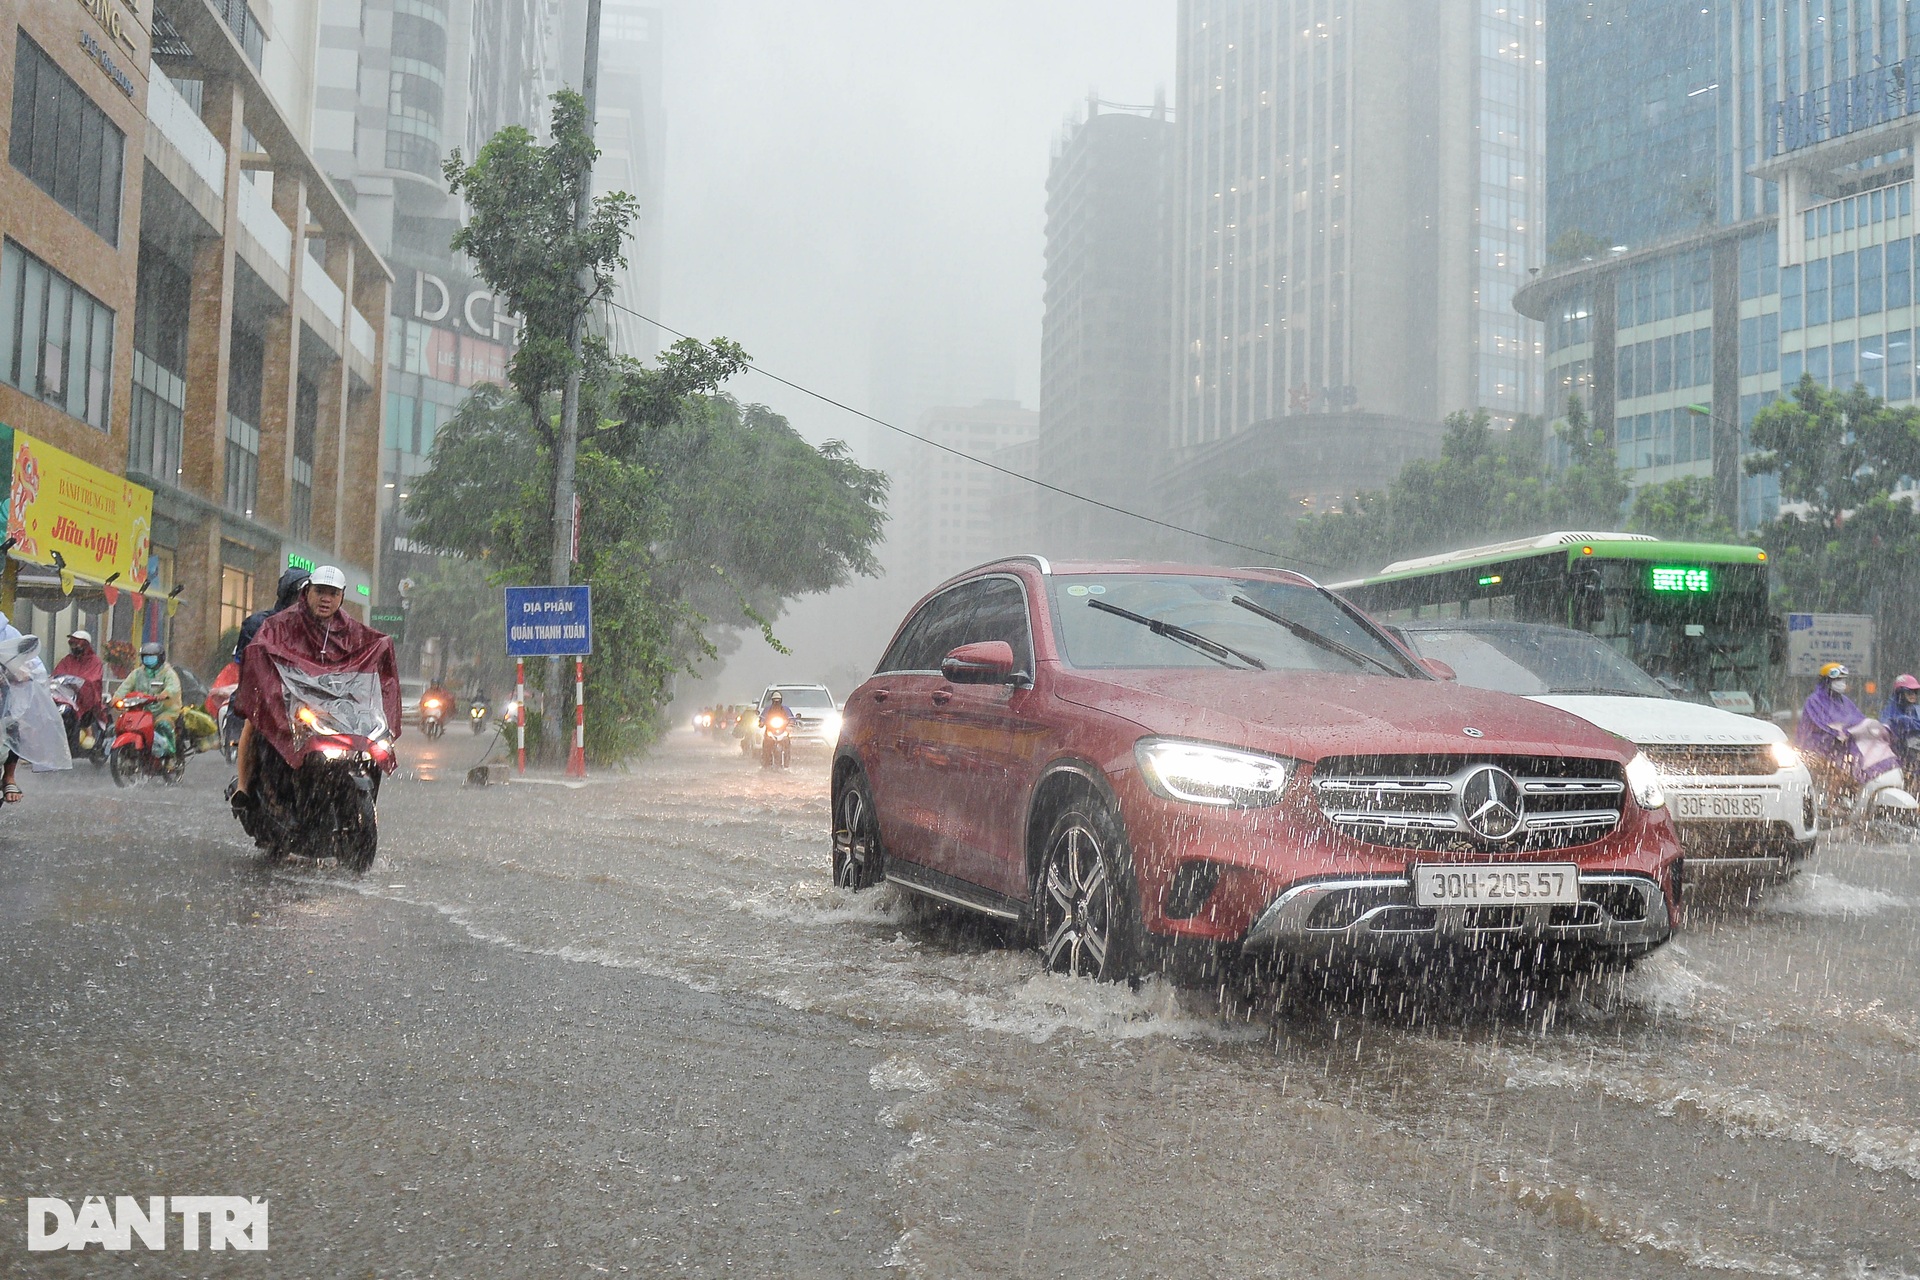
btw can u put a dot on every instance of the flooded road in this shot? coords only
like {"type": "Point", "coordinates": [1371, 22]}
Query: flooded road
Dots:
{"type": "Point", "coordinates": [632, 1026]}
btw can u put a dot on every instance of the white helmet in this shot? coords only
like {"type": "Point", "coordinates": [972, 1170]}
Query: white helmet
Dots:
{"type": "Point", "coordinates": [328, 576]}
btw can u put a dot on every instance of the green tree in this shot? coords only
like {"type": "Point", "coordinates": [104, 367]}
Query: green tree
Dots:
{"type": "Point", "coordinates": [455, 600]}
{"type": "Point", "coordinates": [696, 513]}
{"type": "Point", "coordinates": [1683, 510]}
{"type": "Point", "coordinates": [1574, 244]}
{"type": "Point", "coordinates": [520, 234]}
{"type": "Point", "coordinates": [1487, 484]}
{"type": "Point", "coordinates": [1844, 543]}
{"type": "Point", "coordinates": [1591, 490]}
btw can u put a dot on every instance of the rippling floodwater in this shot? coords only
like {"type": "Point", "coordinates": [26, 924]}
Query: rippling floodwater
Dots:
{"type": "Point", "coordinates": [1745, 1101]}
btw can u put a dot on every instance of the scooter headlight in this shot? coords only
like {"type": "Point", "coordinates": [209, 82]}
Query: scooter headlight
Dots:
{"type": "Point", "coordinates": [1643, 779]}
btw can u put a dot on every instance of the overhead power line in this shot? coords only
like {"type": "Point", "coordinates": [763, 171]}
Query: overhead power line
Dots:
{"type": "Point", "coordinates": [991, 466]}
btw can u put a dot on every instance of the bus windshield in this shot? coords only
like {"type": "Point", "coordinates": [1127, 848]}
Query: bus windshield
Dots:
{"type": "Point", "coordinates": [1695, 617]}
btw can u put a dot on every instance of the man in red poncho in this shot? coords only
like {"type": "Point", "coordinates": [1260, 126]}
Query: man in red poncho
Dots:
{"type": "Point", "coordinates": [314, 637]}
{"type": "Point", "coordinates": [84, 662]}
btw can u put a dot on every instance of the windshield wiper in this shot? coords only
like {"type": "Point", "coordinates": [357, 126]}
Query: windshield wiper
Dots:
{"type": "Point", "coordinates": [1173, 631]}
{"type": "Point", "coordinates": [1314, 638]}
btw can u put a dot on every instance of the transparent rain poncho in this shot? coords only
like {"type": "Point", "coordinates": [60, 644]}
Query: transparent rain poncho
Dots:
{"type": "Point", "coordinates": [345, 702]}
{"type": "Point", "coordinates": [30, 723]}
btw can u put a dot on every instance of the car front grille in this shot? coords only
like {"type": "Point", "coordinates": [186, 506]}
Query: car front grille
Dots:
{"type": "Point", "coordinates": [1714, 760]}
{"type": "Point", "coordinates": [1419, 802]}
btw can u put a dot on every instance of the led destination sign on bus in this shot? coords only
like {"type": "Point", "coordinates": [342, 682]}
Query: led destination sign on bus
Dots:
{"type": "Point", "coordinates": [1681, 579]}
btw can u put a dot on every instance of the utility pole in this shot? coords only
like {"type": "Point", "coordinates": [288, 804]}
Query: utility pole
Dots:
{"type": "Point", "coordinates": [561, 568]}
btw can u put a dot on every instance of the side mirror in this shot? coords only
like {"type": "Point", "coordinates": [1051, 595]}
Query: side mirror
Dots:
{"type": "Point", "coordinates": [987, 662]}
{"type": "Point", "coordinates": [1438, 669]}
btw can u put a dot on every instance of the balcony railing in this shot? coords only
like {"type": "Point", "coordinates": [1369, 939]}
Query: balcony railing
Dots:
{"type": "Point", "coordinates": [264, 225]}
{"type": "Point", "coordinates": [321, 290]}
{"type": "Point", "coordinates": [360, 333]}
{"type": "Point", "coordinates": [180, 125]}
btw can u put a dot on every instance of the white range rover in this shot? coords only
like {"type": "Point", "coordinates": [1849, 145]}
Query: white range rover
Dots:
{"type": "Point", "coordinates": [1741, 796]}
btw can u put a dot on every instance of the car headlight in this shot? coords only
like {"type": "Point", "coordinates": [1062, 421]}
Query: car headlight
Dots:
{"type": "Point", "coordinates": [1784, 755]}
{"type": "Point", "coordinates": [1644, 781]}
{"type": "Point", "coordinates": [830, 726]}
{"type": "Point", "coordinates": [1201, 774]}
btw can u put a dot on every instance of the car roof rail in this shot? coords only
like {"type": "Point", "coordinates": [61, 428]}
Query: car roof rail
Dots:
{"type": "Point", "coordinates": [1037, 561]}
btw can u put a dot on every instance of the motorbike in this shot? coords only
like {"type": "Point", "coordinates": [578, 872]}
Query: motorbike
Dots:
{"type": "Point", "coordinates": [433, 715]}
{"type": "Point", "coordinates": [477, 715]}
{"type": "Point", "coordinates": [1910, 756]}
{"type": "Point", "coordinates": [776, 750]}
{"type": "Point", "coordinates": [220, 707]}
{"type": "Point", "coordinates": [143, 748]}
{"type": "Point", "coordinates": [88, 736]}
{"type": "Point", "coordinates": [324, 806]}
{"type": "Point", "coordinates": [1869, 786]}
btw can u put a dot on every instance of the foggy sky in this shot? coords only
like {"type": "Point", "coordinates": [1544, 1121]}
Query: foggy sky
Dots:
{"type": "Point", "coordinates": [837, 167]}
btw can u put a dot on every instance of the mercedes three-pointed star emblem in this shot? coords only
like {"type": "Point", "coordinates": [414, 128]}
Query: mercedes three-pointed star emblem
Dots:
{"type": "Point", "coordinates": [1492, 803]}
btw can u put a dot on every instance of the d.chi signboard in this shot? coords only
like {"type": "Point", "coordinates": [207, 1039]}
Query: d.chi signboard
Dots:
{"type": "Point", "coordinates": [98, 522]}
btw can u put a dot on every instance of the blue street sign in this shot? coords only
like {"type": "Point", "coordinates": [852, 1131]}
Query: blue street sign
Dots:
{"type": "Point", "coordinates": [549, 622]}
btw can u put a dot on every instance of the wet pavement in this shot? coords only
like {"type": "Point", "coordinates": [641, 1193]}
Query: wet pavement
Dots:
{"type": "Point", "coordinates": [632, 1026]}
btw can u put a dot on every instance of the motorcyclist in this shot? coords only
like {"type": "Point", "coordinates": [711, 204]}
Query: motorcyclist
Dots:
{"type": "Point", "coordinates": [319, 632]}
{"type": "Point", "coordinates": [1827, 717]}
{"type": "Point", "coordinates": [155, 675]}
{"type": "Point", "coordinates": [1902, 713]}
{"type": "Point", "coordinates": [84, 664]}
{"type": "Point", "coordinates": [433, 691]}
{"type": "Point", "coordinates": [776, 706]}
{"type": "Point", "coordinates": [1838, 735]}
{"type": "Point", "coordinates": [292, 583]}
{"type": "Point", "coordinates": [30, 725]}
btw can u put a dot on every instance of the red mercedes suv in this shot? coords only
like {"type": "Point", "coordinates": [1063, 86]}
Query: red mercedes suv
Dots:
{"type": "Point", "coordinates": [1129, 757]}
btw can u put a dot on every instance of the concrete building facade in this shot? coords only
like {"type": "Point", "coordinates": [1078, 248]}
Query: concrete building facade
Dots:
{"type": "Point", "coordinates": [1103, 341]}
{"type": "Point", "coordinates": [216, 311]}
{"type": "Point", "coordinates": [1796, 257]}
{"type": "Point", "coordinates": [942, 505]}
{"type": "Point", "coordinates": [400, 85]}
{"type": "Point", "coordinates": [1358, 193]}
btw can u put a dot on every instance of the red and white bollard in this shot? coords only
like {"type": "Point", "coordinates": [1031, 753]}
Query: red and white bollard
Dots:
{"type": "Point", "coordinates": [577, 758]}
{"type": "Point", "coordinates": [520, 706]}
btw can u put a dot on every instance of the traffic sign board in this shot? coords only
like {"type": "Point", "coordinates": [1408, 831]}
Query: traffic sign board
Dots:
{"type": "Point", "coordinates": [549, 622]}
{"type": "Point", "coordinates": [1815, 639]}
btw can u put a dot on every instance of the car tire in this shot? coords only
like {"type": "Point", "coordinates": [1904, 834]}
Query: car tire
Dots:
{"type": "Point", "coordinates": [858, 860]}
{"type": "Point", "coordinates": [1088, 910]}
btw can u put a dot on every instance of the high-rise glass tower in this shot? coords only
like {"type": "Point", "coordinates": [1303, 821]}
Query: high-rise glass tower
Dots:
{"type": "Point", "coordinates": [1358, 191]}
{"type": "Point", "coordinates": [1730, 205]}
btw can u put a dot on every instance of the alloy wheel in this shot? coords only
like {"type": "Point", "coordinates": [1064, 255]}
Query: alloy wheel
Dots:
{"type": "Point", "coordinates": [856, 841]}
{"type": "Point", "coordinates": [1077, 905]}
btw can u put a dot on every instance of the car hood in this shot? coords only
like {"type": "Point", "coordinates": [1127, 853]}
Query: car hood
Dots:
{"type": "Point", "coordinates": [1666, 721]}
{"type": "Point", "coordinates": [1307, 715]}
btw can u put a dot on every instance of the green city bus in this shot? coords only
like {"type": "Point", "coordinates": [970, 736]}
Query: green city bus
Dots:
{"type": "Point", "coordinates": [1695, 615]}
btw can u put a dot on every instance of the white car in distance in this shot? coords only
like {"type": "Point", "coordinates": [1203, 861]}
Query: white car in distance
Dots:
{"type": "Point", "coordinates": [1742, 798]}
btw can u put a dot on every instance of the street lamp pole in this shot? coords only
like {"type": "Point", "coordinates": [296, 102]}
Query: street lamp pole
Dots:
{"type": "Point", "coordinates": [1726, 461]}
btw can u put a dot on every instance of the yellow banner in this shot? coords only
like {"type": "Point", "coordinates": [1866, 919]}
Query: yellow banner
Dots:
{"type": "Point", "coordinates": [99, 522]}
